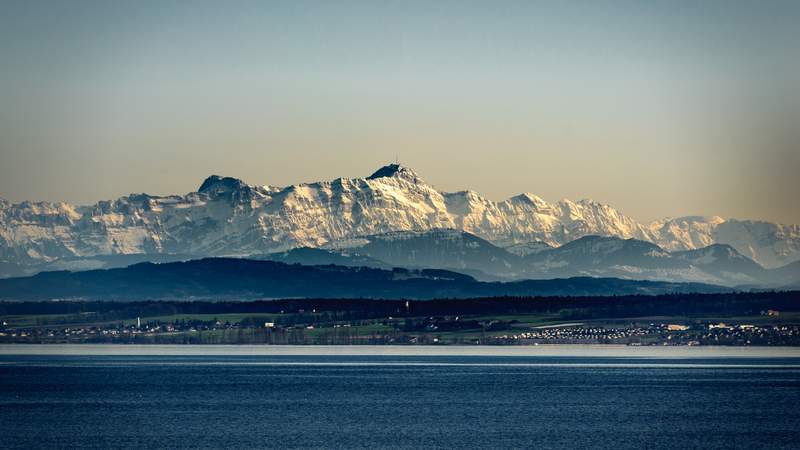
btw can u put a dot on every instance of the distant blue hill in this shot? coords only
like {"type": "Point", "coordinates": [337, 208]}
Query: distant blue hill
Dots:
{"type": "Point", "coordinates": [227, 278]}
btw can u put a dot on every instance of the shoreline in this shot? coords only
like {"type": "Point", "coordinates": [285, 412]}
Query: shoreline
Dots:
{"type": "Point", "coordinates": [544, 350]}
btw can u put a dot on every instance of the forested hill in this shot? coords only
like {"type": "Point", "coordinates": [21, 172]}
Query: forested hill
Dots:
{"type": "Point", "coordinates": [228, 278]}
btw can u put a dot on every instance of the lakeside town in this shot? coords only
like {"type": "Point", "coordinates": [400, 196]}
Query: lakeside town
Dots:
{"type": "Point", "coordinates": [319, 329]}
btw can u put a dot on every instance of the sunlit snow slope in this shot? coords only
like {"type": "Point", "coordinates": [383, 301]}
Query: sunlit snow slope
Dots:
{"type": "Point", "coordinates": [228, 217]}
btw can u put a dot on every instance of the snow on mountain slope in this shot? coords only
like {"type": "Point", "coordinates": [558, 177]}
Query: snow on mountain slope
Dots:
{"type": "Point", "coordinates": [229, 217]}
{"type": "Point", "coordinates": [684, 233]}
{"type": "Point", "coordinates": [724, 262]}
{"type": "Point", "coordinates": [772, 245]}
{"type": "Point", "coordinates": [603, 256]}
{"type": "Point", "coordinates": [597, 256]}
{"type": "Point", "coordinates": [528, 248]}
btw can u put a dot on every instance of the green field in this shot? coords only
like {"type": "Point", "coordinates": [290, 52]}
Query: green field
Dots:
{"type": "Point", "coordinates": [230, 318]}
{"type": "Point", "coordinates": [43, 319]}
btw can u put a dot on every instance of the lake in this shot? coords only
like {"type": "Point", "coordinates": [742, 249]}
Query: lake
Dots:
{"type": "Point", "coordinates": [399, 397]}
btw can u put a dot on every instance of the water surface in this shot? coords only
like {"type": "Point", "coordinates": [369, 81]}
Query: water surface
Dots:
{"type": "Point", "coordinates": [203, 398]}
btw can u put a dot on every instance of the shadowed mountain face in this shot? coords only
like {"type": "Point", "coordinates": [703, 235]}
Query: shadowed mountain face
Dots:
{"type": "Point", "coordinates": [229, 217]}
{"type": "Point", "coordinates": [597, 252]}
{"type": "Point", "coordinates": [593, 256]}
{"type": "Point", "coordinates": [223, 278]}
{"type": "Point", "coordinates": [605, 256]}
{"type": "Point", "coordinates": [8, 270]}
{"type": "Point", "coordinates": [446, 249]}
{"type": "Point", "coordinates": [588, 256]}
{"type": "Point", "coordinates": [320, 257]}
{"type": "Point", "coordinates": [528, 248]}
{"type": "Point", "coordinates": [723, 261]}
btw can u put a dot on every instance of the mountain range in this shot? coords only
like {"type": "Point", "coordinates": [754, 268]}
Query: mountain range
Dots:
{"type": "Point", "coordinates": [227, 217]}
{"type": "Point", "coordinates": [595, 256]}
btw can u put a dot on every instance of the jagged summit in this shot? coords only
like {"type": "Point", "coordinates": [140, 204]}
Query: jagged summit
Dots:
{"type": "Point", "coordinates": [396, 171]}
{"type": "Point", "coordinates": [216, 183]}
{"type": "Point", "coordinates": [529, 198]}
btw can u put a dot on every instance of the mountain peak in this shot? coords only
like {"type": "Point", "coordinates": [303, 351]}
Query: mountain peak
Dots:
{"type": "Point", "coordinates": [394, 171]}
{"type": "Point", "coordinates": [530, 199]}
{"type": "Point", "coordinates": [216, 184]}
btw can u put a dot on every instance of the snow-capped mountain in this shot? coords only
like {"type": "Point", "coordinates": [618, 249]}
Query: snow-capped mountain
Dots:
{"type": "Point", "coordinates": [770, 244]}
{"type": "Point", "coordinates": [229, 217]}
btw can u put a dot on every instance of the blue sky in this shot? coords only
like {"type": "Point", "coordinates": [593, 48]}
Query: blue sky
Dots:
{"type": "Point", "coordinates": [658, 108]}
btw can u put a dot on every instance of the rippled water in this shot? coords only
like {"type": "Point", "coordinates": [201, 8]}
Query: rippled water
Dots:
{"type": "Point", "coordinates": [399, 401]}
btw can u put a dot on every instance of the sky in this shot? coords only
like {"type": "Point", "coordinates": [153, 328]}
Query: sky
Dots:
{"type": "Point", "coordinates": [657, 108]}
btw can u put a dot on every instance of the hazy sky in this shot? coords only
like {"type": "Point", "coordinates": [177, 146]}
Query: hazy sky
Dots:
{"type": "Point", "coordinates": [658, 108]}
